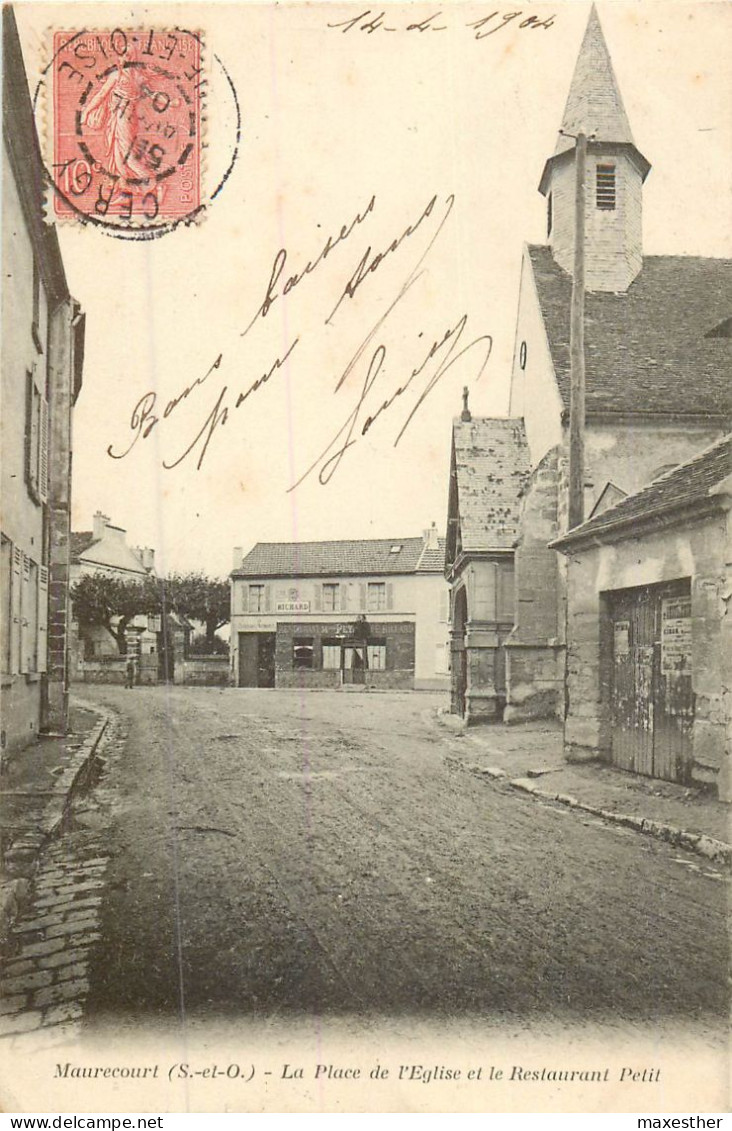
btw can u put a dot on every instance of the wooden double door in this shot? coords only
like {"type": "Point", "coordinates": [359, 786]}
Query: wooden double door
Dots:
{"type": "Point", "coordinates": [652, 698]}
{"type": "Point", "coordinates": [257, 659]}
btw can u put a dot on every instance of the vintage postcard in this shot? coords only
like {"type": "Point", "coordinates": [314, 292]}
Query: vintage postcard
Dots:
{"type": "Point", "coordinates": [365, 518]}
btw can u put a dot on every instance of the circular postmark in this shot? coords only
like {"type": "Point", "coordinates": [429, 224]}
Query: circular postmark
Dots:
{"type": "Point", "coordinates": [127, 129]}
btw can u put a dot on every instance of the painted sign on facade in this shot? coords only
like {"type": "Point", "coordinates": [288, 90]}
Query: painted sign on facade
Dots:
{"type": "Point", "coordinates": [292, 607]}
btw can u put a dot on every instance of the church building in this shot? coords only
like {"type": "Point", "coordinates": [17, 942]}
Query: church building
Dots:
{"type": "Point", "coordinates": [656, 334]}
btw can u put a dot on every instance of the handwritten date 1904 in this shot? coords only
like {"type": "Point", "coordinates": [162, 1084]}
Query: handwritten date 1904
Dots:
{"type": "Point", "coordinates": [369, 22]}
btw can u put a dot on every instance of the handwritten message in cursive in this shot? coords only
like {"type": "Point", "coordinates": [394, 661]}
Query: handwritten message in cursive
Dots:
{"type": "Point", "coordinates": [382, 386]}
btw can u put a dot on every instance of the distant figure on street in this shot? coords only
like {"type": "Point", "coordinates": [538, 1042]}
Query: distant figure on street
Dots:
{"type": "Point", "coordinates": [131, 671]}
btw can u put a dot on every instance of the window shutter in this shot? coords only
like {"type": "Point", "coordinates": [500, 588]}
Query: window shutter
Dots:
{"type": "Point", "coordinates": [267, 598]}
{"type": "Point", "coordinates": [16, 611]}
{"type": "Point", "coordinates": [43, 619]}
{"type": "Point", "coordinates": [43, 452]}
{"type": "Point", "coordinates": [318, 595]}
{"type": "Point", "coordinates": [362, 596]}
{"type": "Point", "coordinates": [244, 590]}
{"type": "Point", "coordinates": [25, 600]}
{"type": "Point", "coordinates": [28, 425]}
{"type": "Point", "coordinates": [390, 595]}
{"type": "Point", "coordinates": [337, 598]}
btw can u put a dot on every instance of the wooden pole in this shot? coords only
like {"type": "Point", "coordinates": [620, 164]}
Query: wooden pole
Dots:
{"type": "Point", "coordinates": [577, 346]}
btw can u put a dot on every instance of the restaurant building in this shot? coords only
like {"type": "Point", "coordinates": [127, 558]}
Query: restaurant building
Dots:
{"type": "Point", "coordinates": [331, 614]}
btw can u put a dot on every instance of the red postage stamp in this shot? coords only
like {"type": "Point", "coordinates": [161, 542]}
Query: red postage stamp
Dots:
{"type": "Point", "coordinates": [127, 119]}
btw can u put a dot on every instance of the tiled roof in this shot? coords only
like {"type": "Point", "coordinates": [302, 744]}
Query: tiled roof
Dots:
{"type": "Point", "coordinates": [492, 467]}
{"type": "Point", "coordinates": [432, 559]}
{"type": "Point", "coordinates": [81, 541]}
{"type": "Point", "coordinates": [687, 486]}
{"type": "Point", "coordinates": [648, 350]}
{"type": "Point", "coordinates": [332, 559]}
{"type": "Point", "coordinates": [594, 104]}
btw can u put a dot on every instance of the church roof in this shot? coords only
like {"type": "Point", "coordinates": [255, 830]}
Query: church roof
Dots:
{"type": "Point", "coordinates": [653, 350]}
{"type": "Point", "coordinates": [491, 469]}
{"type": "Point", "coordinates": [594, 103]}
{"type": "Point", "coordinates": [689, 489]}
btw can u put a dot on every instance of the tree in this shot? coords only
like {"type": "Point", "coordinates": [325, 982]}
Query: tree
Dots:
{"type": "Point", "coordinates": [102, 599]}
{"type": "Point", "coordinates": [200, 598]}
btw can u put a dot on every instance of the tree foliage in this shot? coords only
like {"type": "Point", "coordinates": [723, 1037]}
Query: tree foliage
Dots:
{"type": "Point", "coordinates": [103, 599]}
{"type": "Point", "coordinates": [200, 598]}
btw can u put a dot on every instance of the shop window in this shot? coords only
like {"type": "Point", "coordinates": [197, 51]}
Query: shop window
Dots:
{"type": "Point", "coordinates": [331, 656]}
{"type": "Point", "coordinates": [376, 655]}
{"type": "Point", "coordinates": [331, 597]}
{"type": "Point", "coordinates": [256, 598]}
{"type": "Point", "coordinates": [376, 596]}
{"type": "Point", "coordinates": [302, 652]}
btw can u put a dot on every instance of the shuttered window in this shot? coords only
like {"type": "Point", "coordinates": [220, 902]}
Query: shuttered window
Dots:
{"type": "Point", "coordinates": [330, 597]}
{"type": "Point", "coordinates": [376, 596]}
{"type": "Point", "coordinates": [256, 599]}
{"type": "Point", "coordinates": [36, 441]}
{"type": "Point", "coordinates": [6, 597]}
{"type": "Point", "coordinates": [43, 619]}
{"type": "Point", "coordinates": [605, 187]}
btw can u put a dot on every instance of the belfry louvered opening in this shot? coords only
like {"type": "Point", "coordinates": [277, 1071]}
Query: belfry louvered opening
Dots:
{"type": "Point", "coordinates": [605, 186]}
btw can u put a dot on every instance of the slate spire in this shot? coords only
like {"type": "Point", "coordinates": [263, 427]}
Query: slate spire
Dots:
{"type": "Point", "coordinates": [594, 103]}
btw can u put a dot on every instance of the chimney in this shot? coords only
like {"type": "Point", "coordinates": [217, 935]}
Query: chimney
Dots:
{"type": "Point", "coordinates": [100, 525]}
{"type": "Point", "coordinates": [238, 556]}
{"type": "Point", "coordinates": [465, 414]}
{"type": "Point", "coordinates": [148, 559]}
{"type": "Point", "coordinates": [432, 538]}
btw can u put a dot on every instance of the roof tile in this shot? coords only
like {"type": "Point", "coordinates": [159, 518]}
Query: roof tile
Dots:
{"type": "Point", "coordinates": [492, 466]}
{"type": "Point", "coordinates": [359, 557]}
{"type": "Point", "coordinates": [686, 485]}
{"type": "Point", "coordinates": [648, 350]}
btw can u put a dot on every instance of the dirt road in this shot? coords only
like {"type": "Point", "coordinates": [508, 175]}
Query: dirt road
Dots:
{"type": "Point", "coordinates": [277, 853]}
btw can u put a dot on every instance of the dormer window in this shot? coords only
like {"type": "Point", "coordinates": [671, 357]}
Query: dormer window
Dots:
{"type": "Point", "coordinates": [605, 187]}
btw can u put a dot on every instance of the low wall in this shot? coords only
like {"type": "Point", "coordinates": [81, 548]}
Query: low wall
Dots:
{"type": "Point", "coordinates": [202, 671]}
{"type": "Point", "coordinates": [394, 680]}
{"type": "Point", "coordinates": [113, 669]}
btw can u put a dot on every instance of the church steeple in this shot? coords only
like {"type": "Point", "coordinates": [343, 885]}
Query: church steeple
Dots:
{"type": "Point", "coordinates": [614, 174]}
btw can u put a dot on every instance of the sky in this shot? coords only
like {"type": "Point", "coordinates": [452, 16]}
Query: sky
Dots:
{"type": "Point", "coordinates": [447, 135]}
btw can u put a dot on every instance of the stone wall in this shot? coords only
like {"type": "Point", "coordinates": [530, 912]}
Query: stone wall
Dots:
{"type": "Point", "coordinates": [202, 671]}
{"type": "Point", "coordinates": [696, 551]}
{"type": "Point", "coordinates": [535, 648]}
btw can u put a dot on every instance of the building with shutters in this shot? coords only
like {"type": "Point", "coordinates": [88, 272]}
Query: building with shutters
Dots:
{"type": "Point", "coordinates": [104, 550]}
{"type": "Point", "coordinates": [649, 638]}
{"type": "Point", "coordinates": [330, 614]}
{"type": "Point", "coordinates": [42, 359]}
{"type": "Point", "coordinates": [657, 362]}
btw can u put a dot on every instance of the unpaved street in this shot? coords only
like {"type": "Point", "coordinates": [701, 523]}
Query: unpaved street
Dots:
{"type": "Point", "coordinates": [274, 853]}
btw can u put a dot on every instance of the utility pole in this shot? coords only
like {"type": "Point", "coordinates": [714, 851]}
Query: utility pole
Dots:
{"type": "Point", "coordinates": [577, 345]}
